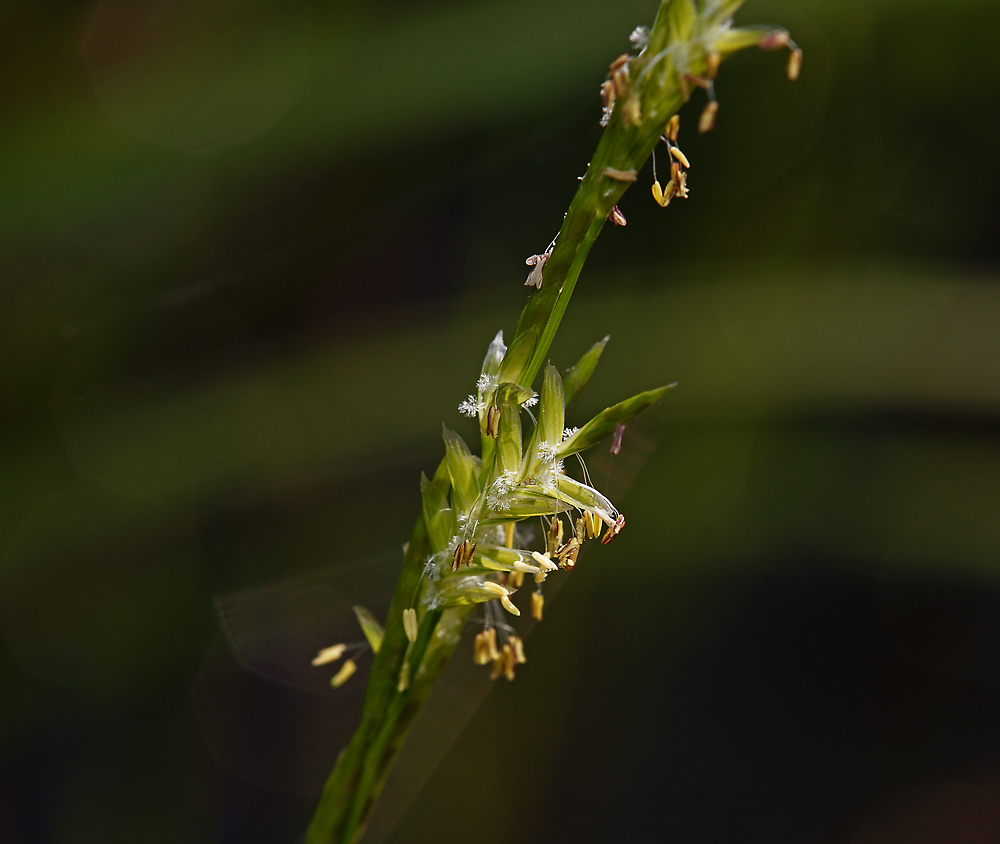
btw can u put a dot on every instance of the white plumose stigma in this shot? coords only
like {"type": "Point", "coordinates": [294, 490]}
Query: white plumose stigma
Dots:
{"type": "Point", "coordinates": [486, 383]}
{"type": "Point", "coordinates": [569, 432]}
{"type": "Point", "coordinates": [547, 452]}
{"type": "Point", "coordinates": [471, 407]}
{"type": "Point", "coordinates": [531, 401]}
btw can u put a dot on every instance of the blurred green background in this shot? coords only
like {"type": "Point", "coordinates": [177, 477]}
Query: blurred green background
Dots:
{"type": "Point", "coordinates": [251, 255]}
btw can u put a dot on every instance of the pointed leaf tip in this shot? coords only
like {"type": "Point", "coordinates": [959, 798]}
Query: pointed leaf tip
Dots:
{"type": "Point", "coordinates": [578, 375]}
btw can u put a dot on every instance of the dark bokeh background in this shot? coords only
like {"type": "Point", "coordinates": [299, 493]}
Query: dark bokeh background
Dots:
{"type": "Point", "coordinates": [250, 257]}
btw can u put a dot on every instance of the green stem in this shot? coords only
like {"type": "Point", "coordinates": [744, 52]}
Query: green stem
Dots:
{"type": "Point", "coordinates": [681, 30]}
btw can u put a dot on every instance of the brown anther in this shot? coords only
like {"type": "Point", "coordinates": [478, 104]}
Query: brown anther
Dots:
{"type": "Point", "coordinates": [794, 64]}
{"type": "Point", "coordinates": [698, 81]}
{"type": "Point", "coordinates": [707, 120]}
{"type": "Point", "coordinates": [464, 552]}
{"type": "Point", "coordinates": [608, 93]}
{"type": "Point", "coordinates": [681, 186]}
{"type": "Point", "coordinates": [675, 170]}
{"type": "Point", "coordinates": [580, 529]}
{"type": "Point", "coordinates": [492, 421]}
{"type": "Point", "coordinates": [712, 61]}
{"type": "Point", "coordinates": [555, 535]}
{"type": "Point", "coordinates": [673, 128]}
{"type": "Point", "coordinates": [618, 63]}
{"type": "Point", "coordinates": [622, 83]}
{"type": "Point", "coordinates": [614, 530]}
{"type": "Point", "coordinates": [617, 217]}
{"type": "Point", "coordinates": [620, 175]}
{"type": "Point", "coordinates": [568, 553]}
{"type": "Point", "coordinates": [537, 604]}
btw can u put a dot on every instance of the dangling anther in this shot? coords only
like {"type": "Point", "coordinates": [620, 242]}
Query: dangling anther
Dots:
{"type": "Point", "coordinates": [331, 654]}
{"type": "Point", "coordinates": [614, 530]}
{"type": "Point", "coordinates": [673, 128]}
{"type": "Point", "coordinates": [537, 604]}
{"type": "Point", "coordinates": [794, 64]}
{"type": "Point", "coordinates": [554, 536]}
{"type": "Point", "coordinates": [617, 217]}
{"type": "Point", "coordinates": [346, 672]}
{"type": "Point", "coordinates": [712, 61]}
{"type": "Point", "coordinates": [778, 39]}
{"type": "Point", "coordinates": [707, 120]}
{"type": "Point", "coordinates": [680, 156]}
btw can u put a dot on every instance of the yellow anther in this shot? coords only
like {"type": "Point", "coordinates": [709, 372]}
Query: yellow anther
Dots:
{"type": "Point", "coordinates": [346, 672]}
{"type": "Point", "coordinates": [516, 578]}
{"type": "Point", "coordinates": [540, 577]}
{"type": "Point", "coordinates": [410, 624]}
{"type": "Point", "coordinates": [673, 128]}
{"type": "Point", "coordinates": [508, 535]}
{"type": "Point", "coordinates": [594, 524]}
{"type": "Point", "coordinates": [794, 64]}
{"type": "Point", "coordinates": [544, 561]}
{"type": "Point", "coordinates": [661, 200]}
{"type": "Point", "coordinates": [508, 605]}
{"type": "Point", "coordinates": [707, 120]}
{"type": "Point", "coordinates": [712, 61]}
{"type": "Point", "coordinates": [537, 605]}
{"type": "Point", "coordinates": [680, 156]}
{"type": "Point", "coordinates": [554, 536]}
{"type": "Point", "coordinates": [504, 596]}
{"type": "Point", "coordinates": [331, 654]}
{"type": "Point", "coordinates": [517, 646]}
{"type": "Point", "coordinates": [481, 652]}
{"type": "Point", "coordinates": [509, 661]}
{"type": "Point", "coordinates": [404, 678]}
{"type": "Point", "coordinates": [491, 640]}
